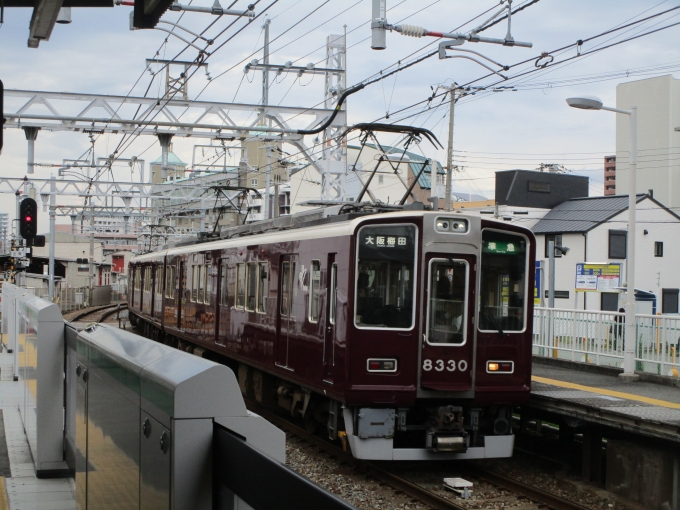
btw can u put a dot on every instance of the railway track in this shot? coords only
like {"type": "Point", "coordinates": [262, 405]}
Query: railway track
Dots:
{"type": "Point", "coordinates": [108, 310]}
{"type": "Point", "coordinates": [415, 491]}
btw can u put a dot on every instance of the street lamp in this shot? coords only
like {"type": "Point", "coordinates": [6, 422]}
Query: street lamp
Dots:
{"type": "Point", "coordinates": [595, 103]}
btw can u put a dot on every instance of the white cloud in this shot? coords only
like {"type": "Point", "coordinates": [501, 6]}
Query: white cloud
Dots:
{"type": "Point", "coordinates": [98, 54]}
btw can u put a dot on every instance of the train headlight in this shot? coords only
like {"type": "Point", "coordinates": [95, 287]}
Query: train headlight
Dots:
{"type": "Point", "coordinates": [451, 225]}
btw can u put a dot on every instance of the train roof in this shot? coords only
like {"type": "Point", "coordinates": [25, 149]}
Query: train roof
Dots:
{"type": "Point", "coordinates": [317, 224]}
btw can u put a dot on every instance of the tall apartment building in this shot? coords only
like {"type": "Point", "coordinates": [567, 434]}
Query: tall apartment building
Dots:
{"type": "Point", "coordinates": [658, 107]}
{"type": "Point", "coordinates": [609, 175]}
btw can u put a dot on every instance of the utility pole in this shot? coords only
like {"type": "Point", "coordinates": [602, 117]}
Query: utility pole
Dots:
{"type": "Point", "coordinates": [551, 278]}
{"type": "Point", "coordinates": [449, 154]}
{"type": "Point", "coordinates": [265, 61]}
{"type": "Point", "coordinates": [268, 180]}
{"type": "Point", "coordinates": [91, 252]}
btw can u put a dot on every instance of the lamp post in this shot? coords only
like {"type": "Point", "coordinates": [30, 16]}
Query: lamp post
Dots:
{"type": "Point", "coordinates": [594, 103]}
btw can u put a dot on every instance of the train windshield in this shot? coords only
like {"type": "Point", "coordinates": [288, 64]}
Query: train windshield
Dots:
{"type": "Point", "coordinates": [385, 277]}
{"type": "Point", "coordinates": [502, 300]}
{"type": "Point", "coordinates": [448, 301]}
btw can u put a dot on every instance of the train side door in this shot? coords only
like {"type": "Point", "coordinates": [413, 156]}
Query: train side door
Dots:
{"type": "Point", "coordinates": [447, 352]}
{"type": "Point", "coordinates": [223, 316]}
{"type": "Point", "coordinates": [331, 316]}
{"type": "Point", "coordinates": [181, 282]}
{"type": "Point", "coordinates": [286, 309]}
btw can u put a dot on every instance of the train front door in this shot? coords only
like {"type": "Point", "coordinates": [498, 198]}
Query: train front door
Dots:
{"type": "Point", "coordinates": [447, 354]}
{"type": "Point", "coordinates": [331, 314]}
{"type": "Point", "coordinates": [286, 308]}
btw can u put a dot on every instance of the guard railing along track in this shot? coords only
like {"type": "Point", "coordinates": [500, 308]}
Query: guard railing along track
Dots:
{"type": "Point", "coordinates": [415, 491]}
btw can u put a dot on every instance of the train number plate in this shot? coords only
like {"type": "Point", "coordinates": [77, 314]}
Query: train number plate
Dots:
{"type": "Point", "coordinates": [440, 365]}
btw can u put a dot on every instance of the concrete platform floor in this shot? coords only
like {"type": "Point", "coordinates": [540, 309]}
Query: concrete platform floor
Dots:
{"type": "Point", "coordinates": [19, 487]}
{"type": "Point", "coordinates": [608, 385]}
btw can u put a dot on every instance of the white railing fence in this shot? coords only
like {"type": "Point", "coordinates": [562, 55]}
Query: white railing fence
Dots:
{"type": "Point", "coordinates": [76, 298]}
{"type": "Point", "coordinates": [597, 337]}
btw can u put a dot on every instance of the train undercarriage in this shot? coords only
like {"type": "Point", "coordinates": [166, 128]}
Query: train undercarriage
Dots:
{"type": "Point", "coordinates": [429, 430]}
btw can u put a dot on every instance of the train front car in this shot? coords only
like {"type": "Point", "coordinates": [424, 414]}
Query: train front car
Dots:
{"type": "Point", "coordinates": [439, 346]}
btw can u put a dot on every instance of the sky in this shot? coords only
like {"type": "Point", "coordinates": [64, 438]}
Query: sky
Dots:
{"type": "Point", "coordinates": [521, 128]}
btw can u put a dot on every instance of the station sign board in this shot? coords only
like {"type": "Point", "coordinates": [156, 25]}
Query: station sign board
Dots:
{"type": "Point", "coordinates": [598, 277]}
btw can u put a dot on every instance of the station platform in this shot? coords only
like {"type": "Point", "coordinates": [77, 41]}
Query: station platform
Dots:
{"type": "Point", "coordinates": [596, 395]}
{"type": "Point", "coordinates": [19, 487]}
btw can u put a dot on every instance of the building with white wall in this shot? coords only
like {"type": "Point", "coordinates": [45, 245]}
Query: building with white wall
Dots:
{"type": "Point", "coordinates": [658, 110]}
{"type": "Point", "coordinates": [388, 185]}
{"type": "Point", "coordinates": [595, 230]}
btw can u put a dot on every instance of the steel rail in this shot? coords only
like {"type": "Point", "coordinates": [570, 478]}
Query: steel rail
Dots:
{"type": "Point", "coordinates": [109, 313]}
{"type": "Point", "coordinates": [99, 309]}
{"type": "Point", "coordinates": [535, 494]}
{"type": "Point", "coordinates": [395, 481]}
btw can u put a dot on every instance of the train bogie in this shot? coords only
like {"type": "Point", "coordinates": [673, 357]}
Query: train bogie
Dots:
{"type": "Point", "coordinates": [408, 333]}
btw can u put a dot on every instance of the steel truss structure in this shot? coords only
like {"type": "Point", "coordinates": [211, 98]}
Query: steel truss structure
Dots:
{"type": "Point", "coordinates": [88, 113]}
{"type": "Point", "coordinates": [334, 172]}
{"type": "Point", "coordinates": [32, 111]}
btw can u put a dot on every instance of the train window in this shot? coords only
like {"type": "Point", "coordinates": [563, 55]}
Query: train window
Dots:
{"type": "Point", "coordinates": [447, 306]}
{"type": "Point", "coordinates": [502, 300]}
{"type": "Point", "coordinates": [314, 291]}
{"type": "Point", "coordinates": [334, 293]}
{"type": "Point", "coordinates": [195, 275]}
{"type": "Point", "coordinates": [147, 279]}
{"type": "Point", "coordinates": [137, 277]}
{"type": "Point", "coordinates": [240, 285]}
{"type": "Point", "coordinates": [208, 284]}
{"type": "Point", "coordinates": [385, 277]}
{"type": "Point", "coordinates": [224, 290]}
{"type": "Point", "coordinates": [201, 283]}
{"type": "Point", "coordinates": [159, 281]}
{"type": "Point", "coordinates": [293, 288]}
{"type": "Point", "coordinates": [285, 288]}
{"type": "Point", "coordinates": [251, 290]}
{"type": "Point", "coordinates": [170, 282]}
{"type": "Point", "coordinates": [263, 285]}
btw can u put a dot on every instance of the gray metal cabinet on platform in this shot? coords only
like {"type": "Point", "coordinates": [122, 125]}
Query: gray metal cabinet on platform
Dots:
{"type": "Point", "coordinates": [144, 422]}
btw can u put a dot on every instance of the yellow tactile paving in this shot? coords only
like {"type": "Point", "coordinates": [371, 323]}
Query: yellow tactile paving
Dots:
{"type": "Point", "coordinates": [609, 393]}
{"type": "Point", "coordinates": [115, 481]}
{"type": "Point", "coordinates": [3, 494]}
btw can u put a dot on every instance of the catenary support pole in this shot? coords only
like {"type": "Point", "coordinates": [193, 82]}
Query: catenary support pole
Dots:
{"type": "Point", "coordinates": [53, 216]}
{"type": "Point", "coordinates": [449, 152]}
{"type": "Point", "coordinates": [551, 278]}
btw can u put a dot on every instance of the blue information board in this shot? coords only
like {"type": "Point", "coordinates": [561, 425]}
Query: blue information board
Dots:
{"type": "Point", "coordinates": [537, 284]}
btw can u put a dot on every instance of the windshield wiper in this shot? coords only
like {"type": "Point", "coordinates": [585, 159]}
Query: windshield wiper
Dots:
{"type": "Point", "coordinates": [492, 320]}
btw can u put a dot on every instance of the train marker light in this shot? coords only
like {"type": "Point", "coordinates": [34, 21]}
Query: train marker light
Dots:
{"type": "Point", "coordinates": [500, 367]}
{"type": "Point", "coordinates": [381, 365]}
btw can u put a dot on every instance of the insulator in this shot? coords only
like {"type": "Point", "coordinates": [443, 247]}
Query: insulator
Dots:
{"type": "Point", "coordinates": [413, 31]}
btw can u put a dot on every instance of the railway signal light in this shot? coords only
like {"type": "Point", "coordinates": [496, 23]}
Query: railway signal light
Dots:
{"type": "Point", "coordinates": [28, 218]}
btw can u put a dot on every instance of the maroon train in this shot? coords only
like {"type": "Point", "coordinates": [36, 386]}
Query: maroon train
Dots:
{"type": "Point", "coordinates": [407, 333]}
